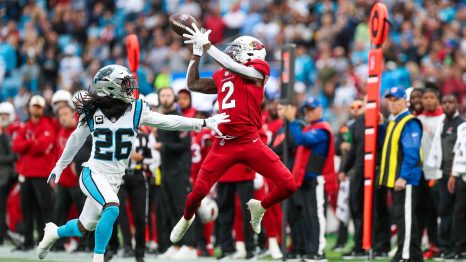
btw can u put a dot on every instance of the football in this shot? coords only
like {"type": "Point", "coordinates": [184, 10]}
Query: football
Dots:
{"type": "Point", "coordinates": [179, 22]}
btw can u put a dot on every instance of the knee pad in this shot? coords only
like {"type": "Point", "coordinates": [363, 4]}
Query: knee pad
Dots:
{"type": "Point", "coordinates": [89, 226]}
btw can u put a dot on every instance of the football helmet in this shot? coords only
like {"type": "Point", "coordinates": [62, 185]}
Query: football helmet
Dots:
{"type": "Point", "coordinates": [208, 210]}
{"type": "Point", "coordinates": [246, 48]}
{"type": "Point", "coordinates": [7, 108]}
{"type": "Point", "coordinates": [62, 95]}
{"type": "Point", "coordinates": [115, 81]}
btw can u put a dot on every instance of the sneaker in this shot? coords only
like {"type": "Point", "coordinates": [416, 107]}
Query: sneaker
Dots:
{"type": "Point", "coordinates": [354, 254]}
{"type": "Point", "coordinates": [127, 252]}
{"type": "Point", "coordinates": [338, 248]}
{"type": "Point", "coordinates": [315, 258]}
{"type": "Point", "coordinates": [170, 252]}
{"type": "Point", "coordinates": [257, 213]}
{"type": "Point", "coordinates": [139, 259]}
{"type": "Point", "coordinates": [180, 229]}
{"type": "Point", "coordinates": [274, 248]}
{"type": "Point", "coordinates": [225, 256]}
{"type": "Point", "coordinates": [240, 251]}
{"type": "Point", "coordinates": [185, 252]}
{"type": "Point", "coordinates": [431, 252]}
{"type": "Point", "coordinates": [380, 255]}
{"type": "Point", "coordinates": [50, 236]}
{"type": "Point", "coordinates": [151, 247]}
{"type": "Point", "coordinates": [456, 257]}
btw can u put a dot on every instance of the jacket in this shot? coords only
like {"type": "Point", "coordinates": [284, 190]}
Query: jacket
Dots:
{"type": "Point", "coordinates": [7, 159]}
{"type": "Point", "coordinates": [34, 144]}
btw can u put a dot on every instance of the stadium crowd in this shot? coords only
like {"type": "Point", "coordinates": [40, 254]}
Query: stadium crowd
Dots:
{"type": "Point", "coordinates": [50, 50]}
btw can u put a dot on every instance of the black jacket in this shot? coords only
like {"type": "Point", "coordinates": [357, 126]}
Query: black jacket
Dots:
{"type": "Point", "coordinates": [175, 152]}
{"type": "Point", "coordinates": [355, 157]}
{"type": "Point", "coordinates": [7, 159]}
{"type": "Point", "coordinates": [449, 133]}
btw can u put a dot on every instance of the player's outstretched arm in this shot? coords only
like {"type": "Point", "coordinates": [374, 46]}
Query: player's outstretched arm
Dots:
{"type": "Point", "coordinates": [74, 143]}
{"type": "Point", "coordinates": [194, 82]}
{"type": "Point", "coordinates": [201, 38]}
{"type": "Point", "coordinates": [174, 122]}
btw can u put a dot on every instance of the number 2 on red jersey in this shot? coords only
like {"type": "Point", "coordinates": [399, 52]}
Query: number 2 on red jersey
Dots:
{"type": "Point", "coordinates": [229, 88]}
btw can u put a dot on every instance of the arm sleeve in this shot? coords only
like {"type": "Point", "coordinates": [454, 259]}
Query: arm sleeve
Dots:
{"type": "Point", "coordinates": [309, 138]}
{"type": "Point", "coordinates": [169, 122]}
{"type": "Point", "coordinates": [74, 143]}
{"type": "Point", "coordinates": [231, 65]}
{"type": "Point", "coordinates": [44, 143]}
{"type": "Point", "coordinates": [20, 144]}
{"type": "Point", "coordinates": [348, 160]}
{"type": "Point", "coordinates": [411, 141]}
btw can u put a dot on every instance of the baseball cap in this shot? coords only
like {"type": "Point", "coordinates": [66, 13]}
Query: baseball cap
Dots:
{"type": "Point", "coordinates": [397, 92]}
{"type": "Point", "coordinates": [311, 102]}
{"type": "Point", "coordinates": [37, 100]}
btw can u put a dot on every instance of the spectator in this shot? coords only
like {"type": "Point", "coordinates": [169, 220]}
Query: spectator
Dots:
{"type": "Point", "coordinates": [71, 68]}
{"type": "Point", "coordinates": [184, 101]}
{"type": "Point", "coordinates": [34, 145]}
{"type": "Point", "coordinates": [134, 189]}
{"type": "Point", "coordinates": [234, 20]}
{"type": "Point", "coordinates": [67, 192]}
{"type": "Point", "coordinates": [175, 152]}
{"type": "Point", "coordinates": [7, 172]}
{"type": "Point", "coordinates": [401, 171]}
{"type": "Point", "coordinates": [314, 142]}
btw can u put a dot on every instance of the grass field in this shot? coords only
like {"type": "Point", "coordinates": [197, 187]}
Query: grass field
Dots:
{"type": "Point", "coordinates": [8, 256]}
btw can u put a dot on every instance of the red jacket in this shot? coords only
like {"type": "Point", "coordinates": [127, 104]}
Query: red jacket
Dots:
{"type": "Point", "coordinates": [302, 157]}
{"type": "Point", "coordinates": [68, 178]}
{"type": "Point", "coordinates": [34, 144]}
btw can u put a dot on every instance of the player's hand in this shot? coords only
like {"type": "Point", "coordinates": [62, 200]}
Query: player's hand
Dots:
{"type": "Point", "coordinates": [215, 120]}
{"type": "Point", "coordinates": [200, 37]}
{"type": "Point", "coordinates": [400, 184]}
{"type": "Point", "coordinates": [54, 175]}
{"type": "Point", "coordinates": [451, 184]}
{"type": "Point", "coordinates": [137, 156]}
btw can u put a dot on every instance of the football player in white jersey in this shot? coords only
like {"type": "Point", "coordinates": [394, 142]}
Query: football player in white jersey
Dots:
{"type": "Point", "coordinates": [112, 117]}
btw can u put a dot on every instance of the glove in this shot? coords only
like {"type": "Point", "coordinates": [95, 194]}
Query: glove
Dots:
{"type": "Point", "coordinates": [215, 120]}
{"type": "Point", "coordinates": [200, 37]}
{"type": "Point", "coordinates": [55, 174]}
{"type": "Point", "coordinates": [197, 50]}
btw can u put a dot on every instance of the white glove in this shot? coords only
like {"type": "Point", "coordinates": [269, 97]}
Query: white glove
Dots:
{"type": "Point", "coordinates": [215, 120]}
{"type": "Point", "coordinates": [197, 49]}
{"type": "Point", "coordinates": [55, 174]}
{"type": "Point", "coordinates": [200, 37]}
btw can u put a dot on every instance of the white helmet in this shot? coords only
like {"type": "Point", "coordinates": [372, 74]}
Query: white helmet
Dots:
{"type": "Point", "coordinates": [152, 99]}
{"type": "Point", "coordinates": [246, 48]}
{"type": "Point", "coordinates": [7, 108]}
{"type": "Point", "coordinates": [115, 81]}
{"type": "Point", "coordinates": [62, 95]}
{"type": "Point", "coordinates": [208, 210]}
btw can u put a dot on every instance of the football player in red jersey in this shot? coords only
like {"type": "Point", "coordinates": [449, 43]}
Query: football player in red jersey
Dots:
{"type": "Point", "coordinates": [240, 88]}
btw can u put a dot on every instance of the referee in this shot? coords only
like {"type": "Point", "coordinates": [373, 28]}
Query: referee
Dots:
{"type": "Point", "coordinates": [401, 170]}
{"type": "Point", "coordinates": [134, 189]}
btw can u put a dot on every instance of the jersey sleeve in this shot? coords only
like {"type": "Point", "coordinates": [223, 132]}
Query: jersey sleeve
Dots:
{"type": "Point", "coordinates": [261, 66]}
{"type": "Point", "coordinates": [167, 122]}
{"type": "Point", "coordinates": [74, 143]}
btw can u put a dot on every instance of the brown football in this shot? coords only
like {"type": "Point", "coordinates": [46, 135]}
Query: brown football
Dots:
{"type": "Point", "coordinates": [178, 23]}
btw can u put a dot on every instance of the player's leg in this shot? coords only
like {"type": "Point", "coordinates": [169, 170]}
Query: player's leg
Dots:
{"type": "Point", "coordinates": [265, 162]}
{"type": "Point", "coordinates": [102, 193]}
{"type": "Point", "coordinates": [214, 166]}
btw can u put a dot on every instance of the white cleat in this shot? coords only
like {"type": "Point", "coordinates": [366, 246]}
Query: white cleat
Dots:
{"type": "Point", "coordinates": [50, 236]}
{"type": "Point", "coordinates": [257, 213]}
{"type": "Point", "coordinates": [180, 229]}
{"type": "Point", "coordinates": [98, 258]}
{"type": "Point", "coordinates": [240, 251]}
{"type": "Point", "coordinates": [185, 253]}
{"type": "Point", "coordinates": [274, 249]}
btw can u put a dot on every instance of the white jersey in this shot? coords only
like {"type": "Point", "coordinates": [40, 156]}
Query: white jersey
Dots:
{"type": "Point", "coordinates": [113, 139]}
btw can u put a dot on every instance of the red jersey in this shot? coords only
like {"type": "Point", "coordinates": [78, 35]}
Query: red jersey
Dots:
{"type": "Point", "coordinates": [68, 178]}
{"type": "Point", "coordinates": [189, 112]}
{"type": "Point", "coordinates": [199, 149]}
{"type": "Point", "coordinates": [241, 99]}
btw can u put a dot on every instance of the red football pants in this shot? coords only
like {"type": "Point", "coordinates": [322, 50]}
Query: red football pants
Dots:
{"type": "Point", "coordinates": [249, 150]}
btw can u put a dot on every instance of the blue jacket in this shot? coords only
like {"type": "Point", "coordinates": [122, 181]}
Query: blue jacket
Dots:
{"type": "Point", "coordinates": [410, 145]}
{"type": "Point", "coordinates": [317, 140]}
